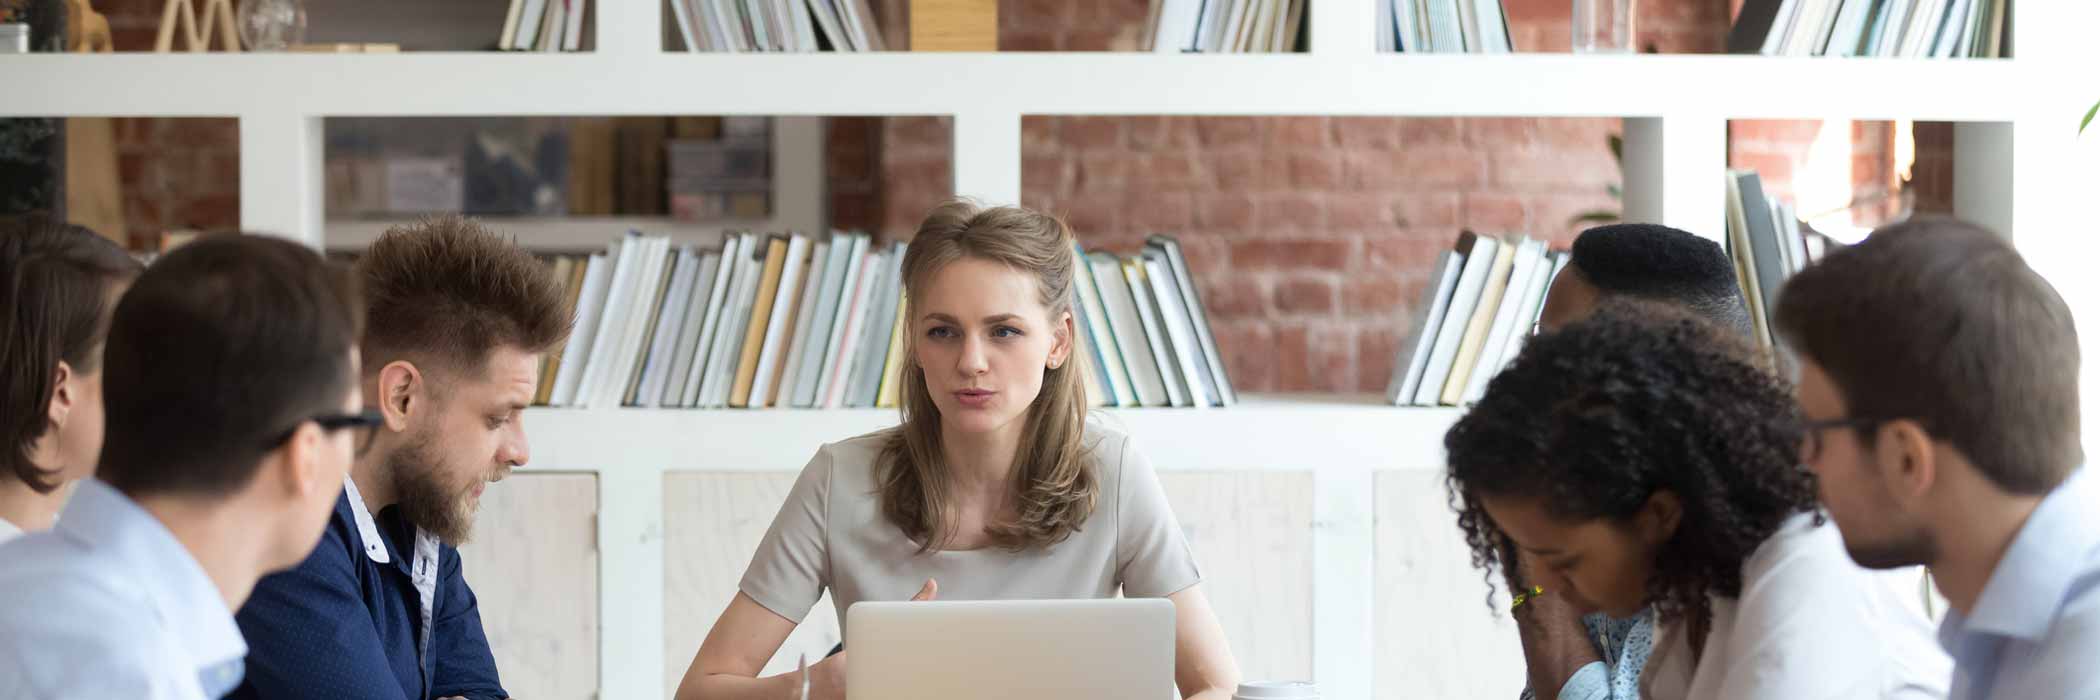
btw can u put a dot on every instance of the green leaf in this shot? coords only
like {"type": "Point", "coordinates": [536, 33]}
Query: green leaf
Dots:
{"type": "Point", "coordinates": [1618, 146]}
{"type": "Point", "coordinates": [1598, 216]}
{"type": "Point", "coordinates": [2088, 117]}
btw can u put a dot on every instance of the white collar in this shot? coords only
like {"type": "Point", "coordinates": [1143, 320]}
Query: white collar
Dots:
{"type": "Point", "coordinates": [367, 529]}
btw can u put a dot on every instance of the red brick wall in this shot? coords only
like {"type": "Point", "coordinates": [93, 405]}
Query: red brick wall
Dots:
{"type": "Point", "coordinates": [178, 174]}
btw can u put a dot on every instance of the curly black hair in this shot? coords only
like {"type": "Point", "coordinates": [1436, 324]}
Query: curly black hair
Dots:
{"type": "Point", "coordinates": [1638, 398]}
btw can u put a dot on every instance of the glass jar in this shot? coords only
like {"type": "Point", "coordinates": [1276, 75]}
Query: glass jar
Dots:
{"type": "Point", "coordinates": [272, 25]}
{"type": "Point", "coordinates": [1602, 26]}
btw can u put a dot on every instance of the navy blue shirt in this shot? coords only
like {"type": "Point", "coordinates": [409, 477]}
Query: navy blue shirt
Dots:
{"type": "Point", "coordinates": [344, 625]}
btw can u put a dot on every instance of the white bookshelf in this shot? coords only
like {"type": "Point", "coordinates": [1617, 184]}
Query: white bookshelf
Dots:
{"type": "Point", "coordinates": [2017, 124]}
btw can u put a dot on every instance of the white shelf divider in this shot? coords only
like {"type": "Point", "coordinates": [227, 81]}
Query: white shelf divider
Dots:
{"type": "Point", "coordinates": [1673, 172]}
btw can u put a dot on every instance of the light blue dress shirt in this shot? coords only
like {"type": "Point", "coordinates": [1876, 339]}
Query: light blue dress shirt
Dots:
{"type": "Point", "coordinates": [109, 605]}
{"type": "Point", "coordinates": [2035, 630]}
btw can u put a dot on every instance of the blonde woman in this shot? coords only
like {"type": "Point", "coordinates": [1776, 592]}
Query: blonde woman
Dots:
{"type": "Point", "coordinates": [996, 486]}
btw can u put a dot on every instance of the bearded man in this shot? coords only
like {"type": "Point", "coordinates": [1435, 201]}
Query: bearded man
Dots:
{"type": "Point", "coordinates": [457, 320]}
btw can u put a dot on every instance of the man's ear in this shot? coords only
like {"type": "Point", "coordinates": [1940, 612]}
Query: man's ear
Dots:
{"type": "Point", "coordinates": [400, 393]}
{"type": "Point", "coordinates": [296, 464]}
{"type": "Point", "coordinates": [1905, 458]}
{"type": "Point", "coordinates": [62, 398]}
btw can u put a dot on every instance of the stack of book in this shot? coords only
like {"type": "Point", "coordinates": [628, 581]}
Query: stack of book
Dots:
{"type": "Point", "coordinates": [1443, 26]}
{"type": "Point", "coordinates": [747, 26]}
{"type": "Point", "coordinates": [779, 321]}
{"type": "Point", "coordinates": [1878, 28]}
{"type": "Point", "coordinates": [1225, 26]}
{"type": "Point", "coordinates": [1146, 333]}
{"type": "Point", "coordinates": [1481, 304]}
{"type": "Point", "coordinates": [545, 25]}
{"type": "Point", "coordinates": [1766, 242]}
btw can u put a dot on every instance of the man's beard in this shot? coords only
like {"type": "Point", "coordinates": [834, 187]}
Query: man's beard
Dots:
{"type": "Point", "coordinates": [425, 498]}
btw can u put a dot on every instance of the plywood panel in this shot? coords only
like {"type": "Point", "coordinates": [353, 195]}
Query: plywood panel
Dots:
{"type": "Point", "coordinates": [1438, 637]}
{"type": "Point", "coordinates": [712, 524]}
{"type": "Point", "coordinates": [1252, 534]}
{"type": "Point", "coordinates": [533, 563]}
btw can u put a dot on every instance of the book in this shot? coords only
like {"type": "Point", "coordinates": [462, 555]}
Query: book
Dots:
{"type": "Point", "coordinates": [1752, 30]}
{"type": "Point", "coordinates": [780, 324]}
{"type": "Point", "coordinates": [813, 326]}
{"type": "Point", "coordinates": [1109, 359]}
{"type": "Point", "coordinates": [805, 317]}
{"type": "Point", "coordinates": [1217, 379]}
{"type": "Point", "coordinates": [1479, 253]}
{"type": "Point", "coordinates": [670, 328]}
{"type": "Point", "coordinates": [1149, 319]}
{"type": "Point", "coordinates": [530, 20]}
{"type": "Point", "coordinates": [892, 367]}
{"type": "Point", "coordinates": [1408, 368]}
{"type": "Point", "coordinates": [827, 15]}
{"type": "Point", "coordinates": [776, 259]}
{"type": "Point", "coordinates": [874, 348]}
{"type": "Point", "coordinates": [1132, 344]}
{"type": "Point", "coordinates": [562, 270]}
{"type": "Point", "coordinates": [1084, 357]}
{"type": "Point", "coordinates": [1477, 327]}
{"type": "Point", "coordinates": [1174, 319]}
{"type": "Point", "coordinates": [572, 35]}
{"type": "Point", "coordinates": [613, 325]}
{"type": "Point", "coordinates": [510, 25]}
{"type": "Point", "coordinates": [686, 354]}
{"type": "Point", "coordinates": [590, 312]}
{"type": "Point", "coordinates": [551, 31]}
{"type": "Point", "coordinates": [1532, 302]}
{"type": "Point", "coordinates": [729, 345]}
{"type": "Point", "coordinates": [626, 378]}
{"type": "Point", "coordinates": [1739, 250]}
{"type": "Point", "coordinates": [844, 306]}
{"type": "Point", "coordinates": [838, 375]}
{"type": "Point", "coordinates": [1177, 24]}
{"type": "Point", "coordinates": [1530, 253]}
{"type": "Point", "coordinates": [1764, 242]}
{"type": "Point", "coordinates": [711, 323]}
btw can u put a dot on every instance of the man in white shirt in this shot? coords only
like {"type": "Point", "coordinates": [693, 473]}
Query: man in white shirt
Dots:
{"type": "Point", "coordinates": [233, 415]}
{"type": "Point", "coordinates": [1939, 390]}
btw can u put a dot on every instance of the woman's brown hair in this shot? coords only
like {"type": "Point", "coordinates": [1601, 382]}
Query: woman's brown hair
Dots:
{"type": "Point", "coordinates": [1053, 486]}
{"type": "Point", "coordinates": [55, 282]}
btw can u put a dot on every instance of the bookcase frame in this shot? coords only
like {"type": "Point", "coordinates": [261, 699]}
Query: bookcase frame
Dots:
{"type": "Point", "coordinates": [1676, 108]}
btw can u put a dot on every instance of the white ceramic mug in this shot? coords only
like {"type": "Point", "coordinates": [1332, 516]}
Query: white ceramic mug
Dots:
{"type": "Point", "coordinates": [1277, 690]}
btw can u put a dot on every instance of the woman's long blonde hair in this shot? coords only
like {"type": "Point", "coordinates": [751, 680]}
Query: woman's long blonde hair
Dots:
{"type": "Point", "coordinates": [1054, 485]}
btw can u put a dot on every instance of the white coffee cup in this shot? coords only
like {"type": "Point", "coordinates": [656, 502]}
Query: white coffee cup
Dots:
{"type": "Point", "coordinates": [1277, 690]}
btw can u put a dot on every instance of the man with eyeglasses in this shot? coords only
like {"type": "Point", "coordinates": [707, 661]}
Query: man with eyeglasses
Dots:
{"type": "Point", "coordinates": [1939, 389]}
{"type": "Point", "coordinates": [458, 318]}
{"type": "Point", "coordinates": [233, 413]}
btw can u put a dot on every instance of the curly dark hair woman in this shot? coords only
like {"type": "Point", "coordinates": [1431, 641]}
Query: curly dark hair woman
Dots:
{"type": "Point", "coordinates": [1642, 460]}
{"type": "Point", "coordinates": [1647, 418]}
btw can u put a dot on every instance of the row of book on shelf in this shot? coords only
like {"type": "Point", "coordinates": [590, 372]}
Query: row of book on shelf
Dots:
{"type": "Point", "coordinates": [777, 321]}
{"type": "Point", "coordinates": [1225, 26]}
{"type": "Point", "coordinates": [545, 25]}
{"type": "Point", "coordinates": [1876, 28]}
{"type": "Point", "coordinates": [747, 26]}
{"type": "Point", "coordinates": [1443, 26]}
{"type": "Point", "coordinates": [1485, 295]}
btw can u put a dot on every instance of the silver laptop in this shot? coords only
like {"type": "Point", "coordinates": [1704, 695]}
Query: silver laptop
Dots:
{"type": "Point", "coordinates": [1113, 649]}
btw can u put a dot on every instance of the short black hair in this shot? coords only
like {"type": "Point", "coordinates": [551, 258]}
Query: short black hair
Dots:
{"type": "Point", "coordinates": [217, 350]}
{"type": "Point", "coordinates": [1640, 397]}
{"type": "Point", "coordinates": [1942, 322]}
{"type": "Point", "coordinates": [1659, 263]}
{"type": "Point", "coordinates": [55, 301]}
